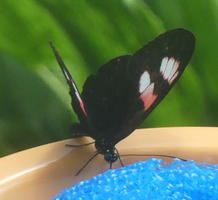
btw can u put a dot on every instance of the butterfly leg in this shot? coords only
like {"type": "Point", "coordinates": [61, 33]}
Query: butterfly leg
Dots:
{"type": "Point", "coordinates": [121, 162]}
{"type": "Point", "coordinates": [118, 155]}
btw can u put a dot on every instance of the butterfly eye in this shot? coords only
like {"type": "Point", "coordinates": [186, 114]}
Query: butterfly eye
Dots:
{"type": "Point", "coordinates": [168, 68]}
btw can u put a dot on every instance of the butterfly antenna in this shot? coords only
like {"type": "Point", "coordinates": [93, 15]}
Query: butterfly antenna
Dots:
{"type": "Point", "coordinates": [84, 166]}
{"type": "Point", "coordinates": [159, 155]}
{"type": "Point", "coordinates": [79, 145]}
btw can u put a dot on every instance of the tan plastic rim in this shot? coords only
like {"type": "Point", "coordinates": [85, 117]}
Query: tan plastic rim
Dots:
{"type": "Point", "coordinates": [42, 172]}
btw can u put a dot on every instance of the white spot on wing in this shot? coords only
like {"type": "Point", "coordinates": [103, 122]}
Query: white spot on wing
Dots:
{"type": "Point", "coordinates": [174, 76]}
{"type": "Point", "coordinates": [144, 81]}
{"type": "Point", "coordinates": [169, 69]}
{"type": "Point", "coordinates": [174, 69]}
{"type": "Point", "coordinates": [149, 90]}
{"type": "Point", "coordinates": [163, 64]}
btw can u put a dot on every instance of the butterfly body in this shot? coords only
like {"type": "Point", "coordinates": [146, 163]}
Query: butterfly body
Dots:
{"type": "Point", "coordinates": [117, 99]}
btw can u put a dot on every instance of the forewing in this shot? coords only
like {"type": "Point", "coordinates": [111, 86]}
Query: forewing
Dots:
{"type": "Point", "coordinates": [124, 91]}
{"type": "Point", "coordinates": [155, 69]}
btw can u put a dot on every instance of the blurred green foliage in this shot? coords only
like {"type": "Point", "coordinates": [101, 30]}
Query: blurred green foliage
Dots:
{"type": "Point", "coordinates": [34, 101]}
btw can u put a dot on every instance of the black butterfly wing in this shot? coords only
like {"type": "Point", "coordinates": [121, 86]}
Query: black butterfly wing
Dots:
{"type": "Point", "coordinates": [125, 90]}
{"type": "Point", "coordinates": [156, 68]}
{"type": "Point", "coordinates": [77, 102]}
{"type": "Point", "coordinates": [104, 94]}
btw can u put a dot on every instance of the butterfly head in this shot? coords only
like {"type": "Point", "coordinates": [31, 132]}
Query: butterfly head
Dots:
{"type": "Point", "coordinates": [110, 156]}
{"type": "Point", "coordinates": [107, 149]}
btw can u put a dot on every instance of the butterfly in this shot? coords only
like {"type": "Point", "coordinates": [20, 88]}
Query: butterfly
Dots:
{"type": "Point", "coordinates": [124, 91]}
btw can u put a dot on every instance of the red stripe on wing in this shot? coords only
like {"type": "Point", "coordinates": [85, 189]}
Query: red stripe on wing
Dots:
{"type": "Point", "coordinates": [148, 96]}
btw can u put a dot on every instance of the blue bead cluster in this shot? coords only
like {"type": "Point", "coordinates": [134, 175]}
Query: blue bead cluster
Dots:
{"type": "Point", "coordinates": [150, 180]}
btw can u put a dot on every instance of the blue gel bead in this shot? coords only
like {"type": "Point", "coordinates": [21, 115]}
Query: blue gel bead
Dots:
{"type": "Point", "coordinates": [150, 180]}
